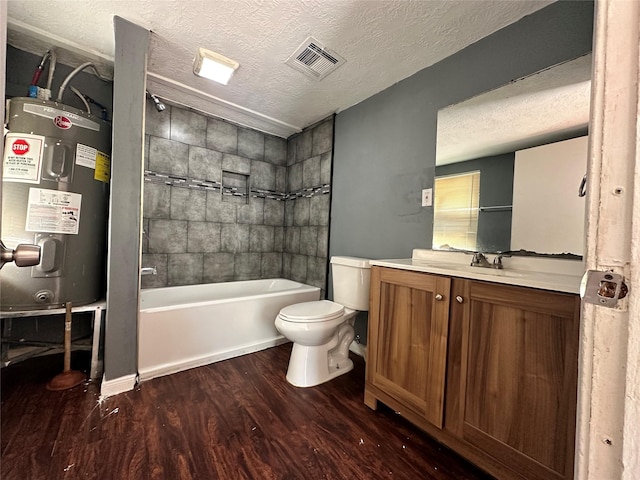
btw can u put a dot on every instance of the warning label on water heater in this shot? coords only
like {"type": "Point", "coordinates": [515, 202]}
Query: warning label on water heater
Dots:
{"type": "Point", "coordinates": [92, 158]}
{"type": "Point", "coordinates": [22, 160]}
{"type": "Point", "coordinates": [53, 211]}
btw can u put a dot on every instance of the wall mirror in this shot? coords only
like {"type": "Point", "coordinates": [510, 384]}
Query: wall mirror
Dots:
{"type": "Point", "coordinates": [509, 164]}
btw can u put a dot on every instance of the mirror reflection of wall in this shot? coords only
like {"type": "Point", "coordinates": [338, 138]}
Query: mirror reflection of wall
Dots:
{"type": "Point", "coordinates": [489, 134]}
{"type": "Point", "coordinates": [548, 214]}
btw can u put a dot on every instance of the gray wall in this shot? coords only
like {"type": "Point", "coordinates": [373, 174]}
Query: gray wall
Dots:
{"type": "Point", "coordinates": [123, 260]}
{"type": "Point", "coordinates": [384, 151]}
{"type": "Point", "coordinates": [196, 232]}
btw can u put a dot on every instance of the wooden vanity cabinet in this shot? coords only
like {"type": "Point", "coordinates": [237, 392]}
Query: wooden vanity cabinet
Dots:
{"type": "Point", "coordinates": [510, 366]}
{"type": "Point", "coordinates": [408, 323]}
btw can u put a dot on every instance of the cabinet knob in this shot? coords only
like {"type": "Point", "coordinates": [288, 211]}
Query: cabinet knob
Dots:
{"type": "Point", "coordinates": [459, 299]}
{"type": "Point", "coordinates": [439, 297]}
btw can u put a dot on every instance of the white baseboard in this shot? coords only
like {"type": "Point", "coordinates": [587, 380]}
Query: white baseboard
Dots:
{"type": "Point", "coordinates": [117, 385]}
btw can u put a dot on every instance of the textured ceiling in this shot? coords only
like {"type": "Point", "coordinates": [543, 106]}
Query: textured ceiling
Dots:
{"type": "Point", "coordinates": [548, 106]}
{"type": "Point", "coordinates": [383, 42]}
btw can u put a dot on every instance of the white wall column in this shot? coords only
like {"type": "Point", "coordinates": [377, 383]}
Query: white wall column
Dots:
{"type": "Point", "coordinates": [123, 261]}
{"type": "Point", "coordinates": [608, 434]}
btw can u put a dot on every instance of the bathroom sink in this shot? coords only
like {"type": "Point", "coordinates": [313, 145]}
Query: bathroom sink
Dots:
{"type": "Point", "coordinates": [463, 267]}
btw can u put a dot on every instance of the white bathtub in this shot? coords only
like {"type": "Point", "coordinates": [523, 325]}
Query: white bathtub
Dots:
{"type": "Point", "coordinates": [194, 325]}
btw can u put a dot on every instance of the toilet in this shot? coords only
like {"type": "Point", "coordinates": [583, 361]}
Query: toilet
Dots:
{"type": "Point", "coordinates": [322, 331]}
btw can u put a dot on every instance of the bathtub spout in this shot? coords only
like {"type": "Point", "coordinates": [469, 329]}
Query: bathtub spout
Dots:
{"type": "Point", "coordinates": [148, 271]}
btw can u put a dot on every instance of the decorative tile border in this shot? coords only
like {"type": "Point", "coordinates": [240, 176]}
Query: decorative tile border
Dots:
{"type": "Point", "coordinates": [210, 185]}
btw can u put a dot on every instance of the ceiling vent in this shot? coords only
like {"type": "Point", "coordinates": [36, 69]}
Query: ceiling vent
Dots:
{"type": "Point", "coordinates": [314, 60]}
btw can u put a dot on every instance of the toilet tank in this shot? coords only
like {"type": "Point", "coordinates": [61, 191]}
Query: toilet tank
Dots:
{"type": "Point", "coordinates": [351, 282]}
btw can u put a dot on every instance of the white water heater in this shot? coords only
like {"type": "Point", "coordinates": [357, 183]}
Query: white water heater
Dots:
{"type": "Point", "coordinates": [55, 187]}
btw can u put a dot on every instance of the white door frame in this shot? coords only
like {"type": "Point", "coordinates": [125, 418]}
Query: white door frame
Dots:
{"type": "Point", "coordinates": [608, 422]}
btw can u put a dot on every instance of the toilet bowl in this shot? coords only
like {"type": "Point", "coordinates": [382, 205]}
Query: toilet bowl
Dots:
{"type": "Point", "coordinates": [321, 333]}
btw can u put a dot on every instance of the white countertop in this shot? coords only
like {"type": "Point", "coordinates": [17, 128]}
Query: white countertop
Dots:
{"type": "Point", "coordinates": [543, 273]}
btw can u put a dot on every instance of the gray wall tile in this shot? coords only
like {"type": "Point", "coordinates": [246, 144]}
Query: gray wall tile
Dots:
{"type": "Point", "coordinates": [292, 240]}
{"type": "Point", "coordinates": [218, 267]}
{"type": "Point", "coordinates": [147, 139]}
{"type": "Point", "coordinates": [325, 167]}
{"type": "Point", "coordinates": [299, 268]}
{"type": "Point", "coordinates": [167, 236]}
{"type": "Point", "coordinates": [292, 145]}
{"type": "Point", "coordinates": [319, 209]}
{"type": "Point", "coordinates": [157, 123]}
{"type": "Point", "coordinates": [301, 212]}
{"type": "Point", "coordinates": [222, 136]}
{"type": "Point", "coordinates": [205, 164]}
{"type": "Point", "coordinates": [159, 261]}
{"type": "Point", "coordinates": [289, 205]}
{"type": "Point", "coordinates": [322, 137]}
{"type": "Point", "coordinates": [168, 156]}
{"type": "Point", "coordinates": [309, 240]}
{"type": "Point", "coordinates": [294, 178]}
{"type": "Point", "coordinates": [219, 211]}
{"type": "Point", "coordinates": [271, 265]}
{"type": "Point", "coordinates": [188, 204]}
{"type": "Point", "coordinates": [236, 164]}
{"type": "Point", "coordinates": [203, 237]}
{"type": "Point", "coordinates": [281, 179]}
{"type": "Point", "coordinates": [278, 239]}
{"type": "Point", "coordinates": [303, 149]}
{"type": "Point", "coordinates": [234, 238]}
{"type": "Point", "coordinates": [188, 127]}
{"type": "Point", "coordinates": [275, 150]}
{"type": "Point", "coordinates": [222, 240]}
{"type": "Point", "coordinates": [316, 271]}
{"type": "Point", "coordinates": [145, 235]}
{"type": "Point", "coordinates": [286, 265]}
{"type": "Point", "coordinates": [311, 172]}
{"type": "Point", "coordinates": [247, 266]}
{"type": "Point", "coordinates": [251, 144]}
{"type": "Point", "coordinates": [261, 238]}
{"type": "Point", "coordinates": [184, 268]}
{"type": "Point", "coordinates": [157, 200]}
{"type": "Point", "coordinates": [253, 212]}
{"type": "Point", "coordinates": [323, 242]}
{"type": "Point", "coordinates": [263, 175]}
{"type": "Point", "coordinates": [273, 212]}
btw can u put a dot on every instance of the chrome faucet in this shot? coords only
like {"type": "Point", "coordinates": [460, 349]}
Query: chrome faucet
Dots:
{"type": "Point", "coordinates": [479, 260]}
{"type": "Point", "coordinates": [497, 262]}
{"type": "Point", "coordinates": [148, 271]}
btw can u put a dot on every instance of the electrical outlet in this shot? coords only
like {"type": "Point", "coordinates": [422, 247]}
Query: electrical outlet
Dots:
{"type": "Point", "coordinates": [427, 197]}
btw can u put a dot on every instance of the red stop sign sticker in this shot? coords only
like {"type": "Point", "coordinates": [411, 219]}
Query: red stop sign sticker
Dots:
{"type": "Point", "coordinates": [20, 147]}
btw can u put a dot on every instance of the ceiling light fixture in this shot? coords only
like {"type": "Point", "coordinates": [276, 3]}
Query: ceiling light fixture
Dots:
{"type": "Point", "coordinates": [214, 66]}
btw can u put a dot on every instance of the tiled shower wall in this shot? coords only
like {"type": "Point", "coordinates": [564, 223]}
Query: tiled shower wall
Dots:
{"type": "Point", "coordinates": [309, 156]}
{"type": "Point", "coordinates": [200, 224]}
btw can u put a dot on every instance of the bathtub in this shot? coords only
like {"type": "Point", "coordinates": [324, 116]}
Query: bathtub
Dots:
{"type": "Point", "coordinates": [189, 326]}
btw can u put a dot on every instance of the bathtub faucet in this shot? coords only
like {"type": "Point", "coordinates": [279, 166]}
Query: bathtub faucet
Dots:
{"type": "Point", "coordinates": [148, 271]}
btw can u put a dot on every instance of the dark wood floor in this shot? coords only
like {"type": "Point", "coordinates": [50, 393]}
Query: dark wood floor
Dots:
{"type": "Point", "coordinates": [237, 419]}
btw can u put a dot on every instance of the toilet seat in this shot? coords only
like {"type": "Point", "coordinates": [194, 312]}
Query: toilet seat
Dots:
{"type": "Point", "coordinates": [309, 312]}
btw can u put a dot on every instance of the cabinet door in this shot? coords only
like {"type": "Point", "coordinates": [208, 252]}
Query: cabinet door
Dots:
{"type": "Point", "coordinates": [408, 323]}
{"type": "Point", "coordinates": [518, 371]}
